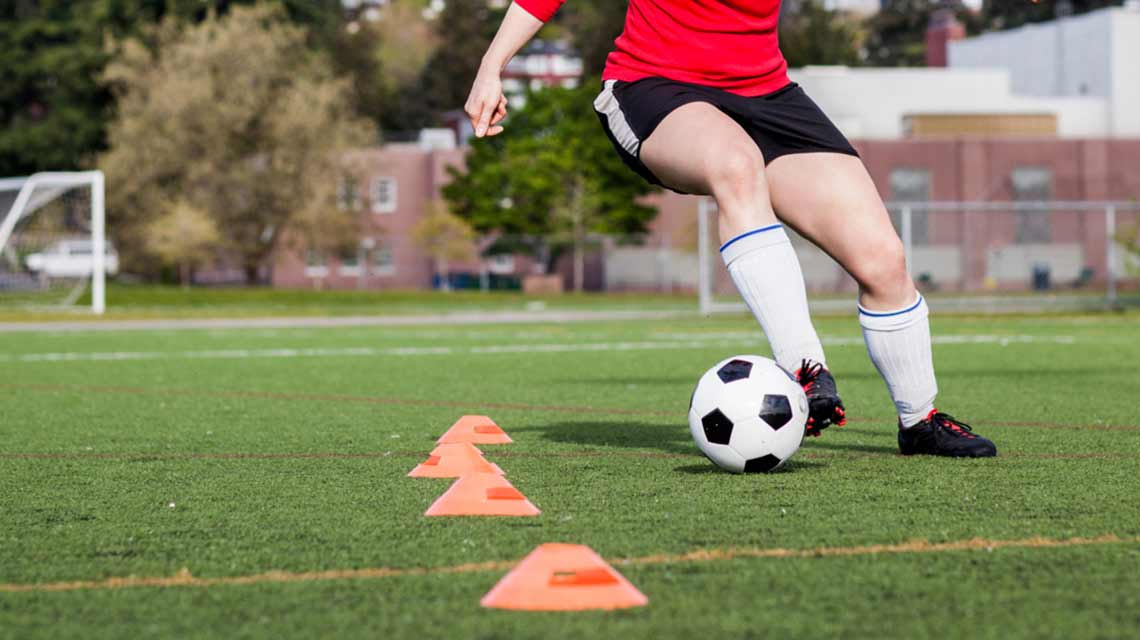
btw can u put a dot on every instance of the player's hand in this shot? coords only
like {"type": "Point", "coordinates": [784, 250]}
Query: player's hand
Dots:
{"type": "Point", "coordinates": [486, 106]}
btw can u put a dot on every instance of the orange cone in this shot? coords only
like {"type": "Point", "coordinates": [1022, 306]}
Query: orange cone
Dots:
{"type": "Point", "coordinates": [482, 494]}
{"type": "Point", "coordinates": [563, 577]}
{"type": "Point", "coordinates": [452, 461]}
{"type": "Point", "coordinates": [476, 430]}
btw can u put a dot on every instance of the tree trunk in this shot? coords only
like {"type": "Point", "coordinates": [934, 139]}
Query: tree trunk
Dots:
{"type": "Point", "coordinates": [544, 260]}
{"type": "Point", "coordinates": [251, 273]}
{"type": "Point", "coordinates": [579, 238]}
{"type": "Point", "coordinates": [184, 274]}
{"type": "Point", "coordinates": [579, 262]}
{"type": "Point", "coordinates": [444, 273]}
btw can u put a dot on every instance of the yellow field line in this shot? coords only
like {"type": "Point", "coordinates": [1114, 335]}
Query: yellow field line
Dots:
{"type": "Point", "coordinates": [185, 579]}
{"type": "Point", "coordinates": [915, 546]}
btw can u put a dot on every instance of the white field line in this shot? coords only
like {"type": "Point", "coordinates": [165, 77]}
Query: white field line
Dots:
{"type": "Point", "coordinates": [538, 316]}
{"type": "Point", "coordinates": [655, 345]}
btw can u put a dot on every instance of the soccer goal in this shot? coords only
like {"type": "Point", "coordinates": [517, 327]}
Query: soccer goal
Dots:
{"type": "Point", "coordinates": [53, 245]}
{"type": "Point", "coordinates": [972, 256]}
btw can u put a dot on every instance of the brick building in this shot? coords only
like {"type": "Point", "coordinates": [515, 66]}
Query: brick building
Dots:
{"type": "Point", "coordinates": [397, 183]}
{"type": "Point", "coordinates": [995, 125]}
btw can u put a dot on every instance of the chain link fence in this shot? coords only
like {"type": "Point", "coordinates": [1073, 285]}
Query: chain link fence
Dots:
{"type": "Point", "coordinates": [974, 256]}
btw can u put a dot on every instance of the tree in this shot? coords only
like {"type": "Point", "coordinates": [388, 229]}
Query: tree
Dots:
{"type": "Point", "coordinates": [184, 237]}
{"type": "Point", "coordinates": [51, 103]}
{"type": "Point", "coordinates": [464, 28]}
{"type": "Point", "coordinates": [321, 19]}
{"type": "Point", "coordinates": [234, 117]}
{"type": "Point", "coordinates": [1128, 237]}
{"type": "Point", "coordinates": [815, 35]}
{"type": "Point", "coordinates": [896, 35]}
{"type": "Point", "coordinates": [551, 177]}
{"type": "Point", "coordinates": [386, 60]}
{"type": "Point", "coordinates": [445, 238]}
{"type": "Point", "coordinates": [54, 108]}
{"type": "Point", "coordinates": [594, 25]}
{"type": "Point", "coordinates": [1002, 14]}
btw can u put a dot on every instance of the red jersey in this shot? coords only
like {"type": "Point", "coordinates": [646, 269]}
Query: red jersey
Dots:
{"type": "Point", "coordinates": [727, 44]}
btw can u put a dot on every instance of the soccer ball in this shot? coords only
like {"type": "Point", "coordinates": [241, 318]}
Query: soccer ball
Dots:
{"type": "Point", "coordinates": [747, 414]}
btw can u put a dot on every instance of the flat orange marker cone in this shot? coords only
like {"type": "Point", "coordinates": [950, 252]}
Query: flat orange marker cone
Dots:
{"type": "Point", "coordinates": [453, 461]}
{"type": "Point", "coordinates": [476, 430]}
{"type": "Point", "coordinates": [482, 494]}
{"type": "Point", "coordinates": [563, 577]}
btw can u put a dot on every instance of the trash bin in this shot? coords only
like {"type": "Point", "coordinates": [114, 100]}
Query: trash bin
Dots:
{"type": "Point", "coordinates": [1040, 276]}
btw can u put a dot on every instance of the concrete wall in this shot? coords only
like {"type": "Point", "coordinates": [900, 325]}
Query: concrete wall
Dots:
{"type": "Point", "coordinates": [1090, 55]}
{"type": "Point", "coordinates": [1126, 72]}
{"type": "Point", "coordinates": [873, 103]}
{"type": "Point", "coordinates": [1069, 57]}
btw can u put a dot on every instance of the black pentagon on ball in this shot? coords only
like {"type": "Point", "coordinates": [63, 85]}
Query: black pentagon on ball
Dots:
{"type": "Point", "coordinates": [762, 464]}
{"type": "Point", "coordinates": [718, 428]}
{"type": "Point", "coordinates": [776, 411]}
{"type": "Point", "coordinates": [734, 370]}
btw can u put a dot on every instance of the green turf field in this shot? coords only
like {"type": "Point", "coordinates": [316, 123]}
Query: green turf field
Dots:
{"type": "Point", "coordinates": [264, 470]}
{"type": "Point", "coordinates": [130, 302]}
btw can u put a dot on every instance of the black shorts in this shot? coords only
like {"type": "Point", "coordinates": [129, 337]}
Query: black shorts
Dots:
{"type": "Point", "coordinates": [783, 122]}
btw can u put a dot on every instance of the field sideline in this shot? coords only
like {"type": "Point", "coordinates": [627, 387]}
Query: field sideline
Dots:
{"type": "Point", "coordinates": [250, 482]}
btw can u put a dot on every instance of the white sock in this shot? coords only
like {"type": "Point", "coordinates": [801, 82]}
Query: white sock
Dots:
{"type": "Point", "coordinates": [764, 267]}
{"type": "Point", "coordinates": [899, 345]}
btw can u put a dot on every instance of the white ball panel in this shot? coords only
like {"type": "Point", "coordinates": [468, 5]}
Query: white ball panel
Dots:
{"type": "Point", "coordinates": [723, 455]}
{"type": "Point", "coordinates": [752, 438]}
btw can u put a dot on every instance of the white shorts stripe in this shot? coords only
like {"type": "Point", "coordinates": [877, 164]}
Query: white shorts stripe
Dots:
{"type": "Point", "coordinates": [606, 104]}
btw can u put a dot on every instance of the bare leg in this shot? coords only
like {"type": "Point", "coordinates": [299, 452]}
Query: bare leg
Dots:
{"type": "Point", "coordinates": [721, 161]}
{"type": "Point", "coordinates": [830, 199]}
{"type": "Point", "coordinates": [700, 150]}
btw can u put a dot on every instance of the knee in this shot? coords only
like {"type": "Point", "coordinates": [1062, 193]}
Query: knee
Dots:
{"type": "Point", "coordinates": [882, 272]}
{"type": "Point", "coordinates": [736, 172]}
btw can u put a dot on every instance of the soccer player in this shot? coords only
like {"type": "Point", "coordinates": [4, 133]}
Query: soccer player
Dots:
{"type": "Point", "coordinates": [696, 98]}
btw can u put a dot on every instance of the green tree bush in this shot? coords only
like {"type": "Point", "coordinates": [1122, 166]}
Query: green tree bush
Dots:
{"type": "Point", "coordinates": [551, 178]}
{"type": "Point", "coordinates": [235, 117]}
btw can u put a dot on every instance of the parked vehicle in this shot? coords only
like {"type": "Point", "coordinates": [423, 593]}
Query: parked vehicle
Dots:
{"type": "Point", "coordinates": [71, 259]}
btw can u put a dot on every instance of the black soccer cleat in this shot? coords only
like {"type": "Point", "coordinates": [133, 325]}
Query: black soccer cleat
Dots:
{"type": "Point", "coordinates": [941, 435]}
{"type": "Point", "coordinates": [824, 406]}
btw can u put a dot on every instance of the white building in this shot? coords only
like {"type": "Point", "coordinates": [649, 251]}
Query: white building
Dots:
{"type": "Point", "coordinates": [883, 103]}
{"type": "Point", "coordinates": [541, 64]}
{"type": "Point", "coordinates": [854, 6]}
{"type": "Point", "coordinates": [867, 7]}
{"type": "Point", "coordinates": [1096, 54]}
{"type": "Point", "coordinates": [1081, 75]}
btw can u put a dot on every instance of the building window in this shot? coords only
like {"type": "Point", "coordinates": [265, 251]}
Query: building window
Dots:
{"type": "Point", "coordinates": [383, 195]}
{"type": "Point", "coordinates": [316, 264]}
{"type": "Point", "coordinates": [349, 262]}
{"type": "Point", "coordinates": [910, 184]}
{"type": "Point", "coordinates": [1033, 184]}
{"type": "Point", "coordinates": [383, 262]}
{"type": "Point", "coordinates": [348, 194]}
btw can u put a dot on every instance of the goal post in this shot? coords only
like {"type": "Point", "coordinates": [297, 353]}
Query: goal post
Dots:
{"type": "Point", "coordinates": [61, 216]}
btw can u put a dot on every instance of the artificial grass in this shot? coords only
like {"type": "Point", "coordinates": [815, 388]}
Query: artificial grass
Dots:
{"type": "Point", "coordinates": [153, 302]}
{"type": "Point", "coordinates": [297, 462]}
{"type": "Point", "coordinates": [141, 302]}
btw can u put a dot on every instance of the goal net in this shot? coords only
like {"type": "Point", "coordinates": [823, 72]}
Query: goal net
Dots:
{"type": "Point", "coordinates": [53, 248]}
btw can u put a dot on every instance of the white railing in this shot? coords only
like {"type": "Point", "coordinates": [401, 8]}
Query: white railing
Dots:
{"type": "Point", "coordinates": [972, 247]}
